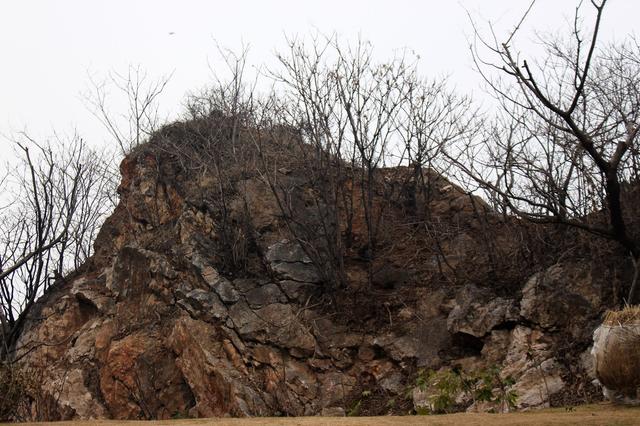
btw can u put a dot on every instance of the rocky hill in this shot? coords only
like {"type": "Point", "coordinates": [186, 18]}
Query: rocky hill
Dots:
{"type": "Point", "coordinates": [201, 301]}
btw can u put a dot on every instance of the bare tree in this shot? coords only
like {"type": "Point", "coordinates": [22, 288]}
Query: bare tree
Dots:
{"type": "Point", "coordinates": [565, 143]}
{"type": "Point", "coordinates": [433, 119]}
{"type": "Point", "coordinates": [357, 117]}
{"type": "Point", "coordinates": [373, 96]}
{"type": "Point", "coordinates": [141, 101]}
{"type": "Point", "coordinates": [60, 196]}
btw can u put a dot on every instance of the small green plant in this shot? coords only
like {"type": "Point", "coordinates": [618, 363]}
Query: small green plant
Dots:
{"type": "Point", "coordinates": [447, 387]}
{"type": "Point", "coordinates": [489, 386]}
{"type": "Point", "coordinates": [355, 410]}
{"type": "Point", "coordinates": [422, 380]}
{"type": "Point", "coordinates": [443, 387]}
{"type": "Point", "coordinates": [447, 384]}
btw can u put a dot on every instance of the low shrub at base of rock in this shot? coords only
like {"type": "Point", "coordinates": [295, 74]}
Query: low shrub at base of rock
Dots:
{"type": "Point", "coordinates": [451, 390]}
{"type": "Point", "coordinates": [616, 351]}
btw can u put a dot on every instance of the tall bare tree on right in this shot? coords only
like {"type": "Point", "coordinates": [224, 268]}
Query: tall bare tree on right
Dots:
{"type": "Point", "coordinates": [565, 144]}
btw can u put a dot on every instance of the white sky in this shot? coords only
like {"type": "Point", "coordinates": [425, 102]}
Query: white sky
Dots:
{"type": "Point", "coordinates": [48, 47]}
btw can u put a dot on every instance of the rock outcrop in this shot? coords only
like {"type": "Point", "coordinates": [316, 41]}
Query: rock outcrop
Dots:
{"type": "Point", "coordinates": [157, 325]}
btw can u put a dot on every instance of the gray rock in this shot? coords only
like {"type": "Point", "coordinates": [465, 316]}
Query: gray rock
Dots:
{"type": "Point", "coordinates": [295, 290]}
{"type": "Point", "coordinates": [203, 304]}
{"type": "Point", "coordinates": [392, 383]}
{"type": "Point", "coordinates": [93, 293]}
{"type": "Point", "coordinates": [287, 251]}
{"type": "Point", "coordinates": [265, 295]}
{"type": "Point", "coordinates": [243, 318]}
{"type": "Point", "coordinates": [398, 347]}
{"type": "Point", "coordinates": [431, 340]}
{"type": "Point", "coordinates": [335, 387]}
{"type": "Point", "coordinates": [243, 285]}
{"type": "Point", "coordinates": [529, 360]}
{"type": "Point", "coordinates": [301, 272]}
{"type": "Point", "coordinates": [276, 323]}
{"type": "Point", "coordinates": [288, 260]}
{"type": "Point", "coordinates": [217, 283]}
{"type": "Point", "coordinates": [560, 297]}
{"type": "Point", "coordinates": [226, 291]}
{"type": "Point", "coordinates": [477, 313]}
{"type": "Point", "coordinates": [495, 346]}
{"type": "Point", "coordinates": [537, 384]}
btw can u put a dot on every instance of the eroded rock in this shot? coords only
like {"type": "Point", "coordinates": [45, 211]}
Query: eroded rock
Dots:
{"type": "Point", "coordinates": [477, 313]}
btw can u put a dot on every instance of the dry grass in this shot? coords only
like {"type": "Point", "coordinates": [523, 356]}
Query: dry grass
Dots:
{"type": "Point", "coordinates": [601, 414]}
{"type": "Point", "coordinates": [628, 315]}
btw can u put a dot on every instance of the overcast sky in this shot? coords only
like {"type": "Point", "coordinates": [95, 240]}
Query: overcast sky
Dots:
{"type": "Point", "coordinates": [49, 47]}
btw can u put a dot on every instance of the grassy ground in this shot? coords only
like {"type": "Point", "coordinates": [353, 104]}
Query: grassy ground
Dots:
{"type": "Point", "coordinates": [601, 414]}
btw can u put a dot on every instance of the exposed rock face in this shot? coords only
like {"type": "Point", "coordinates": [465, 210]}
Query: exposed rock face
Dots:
{"type": "Point", "coordinates": [154, 328]}
{"type": "Point", "coordinates": [561, 298]}
{"type": "Point", "coordinates": [477, 313]}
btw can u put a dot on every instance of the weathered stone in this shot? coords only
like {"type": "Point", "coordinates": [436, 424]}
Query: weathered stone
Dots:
{"type": "Point", "coordinates": [380, 368]}
{"type": "Point", "coordinates": [393, 383]}
{"type": "Point", "coordinates": [431, 338]}
{"type": "Point", "coordinates": [301, 380]}
{"type": "Point", "coordinates": [203, 304]}
{"type": "Point", "coordinates": [477, 313]}
{"type": "Point", "coordinates": [334, 388]}
{"type": "Point", "coordinates": [265, 295]}
{"type": "Point", "coordinates": [536, 385]}
{"type": "Point", "coordinates": [398, 347]}
{"type": "Point", "coordinates": [287, 251]}
{"type": "Point", "coordinates": [150, 329]}
{"type": "Point", "coordinates": [421, 399]}
{"type": "Point", "coordinates": [275, 323]}
{"type": "Point", "coordinates": [93, 293]}
{"type": "Point", "coordinates": [496, 345]}
{"type": "Point", "coordinates": [134, 364]}
{"type": "Point", "coordinates": [72, 393]}
{"type": "Point", "coordinates": [217, 283]}
{"type": "Point", "coordinates": [289, 261]}
{"type": "Point", "coordinates": [226, 291]}
{"type": "Point", "coordinates": [301, 272]}
{"type": "Point", "coordinates": [561, 296]}
{"type": "Point", "coordinates": [296, 291]}
{"type": "Point", "coordinates": [217, 386]}
{"type": "Point", "coordinates": [529, 361]}
{"type": "Point", "coordinates": [244, 285]}
{"type": "Point", "coordinates": [267, 355]}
